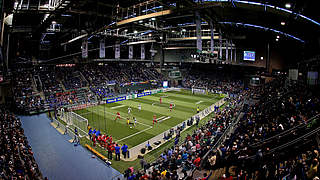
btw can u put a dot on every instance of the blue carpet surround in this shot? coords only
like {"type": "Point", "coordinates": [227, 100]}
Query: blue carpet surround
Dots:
{"type": "Point", "coordinates": [59, 159]}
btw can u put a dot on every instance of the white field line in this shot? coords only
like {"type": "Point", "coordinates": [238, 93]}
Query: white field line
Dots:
{"type": "Point", "coordinates": [84, 113]}
{"type": "Point", "coordinates": [160, 118]}
{"type": "Point", "coordinates": [124, 118]}
{"type": "Point", "coordinates": [134, 134]}
{"type": "Point", "coordinates": [199, 102]}
{"type": "Point", "coordinates": [165, 96]}
{"type": "Point", "coordinates": [165, 119]}
{"type": "Point", "coordinates": [116, 107]}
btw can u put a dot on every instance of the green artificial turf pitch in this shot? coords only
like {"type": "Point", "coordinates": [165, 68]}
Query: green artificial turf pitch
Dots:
{"type": "Point", "coordinates": [103, 116]}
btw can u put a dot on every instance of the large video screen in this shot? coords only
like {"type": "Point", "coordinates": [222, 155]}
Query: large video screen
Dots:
{"type": "Point", "coordinates": [249, 55]}
{"type": "Point", "coordinates": [165, 84]}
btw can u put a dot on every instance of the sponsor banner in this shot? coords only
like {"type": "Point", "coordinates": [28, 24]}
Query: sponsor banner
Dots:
{"type": "Point", "coordinates": [141, 95]}
{"type": "Point", "coordinates": [102, 53]}
{"type": "Point", "coordinates": [84, 48]}
{"type": "Point", "coordinates": [143, 51]}
{"type": "Point", "coordinates": [134, 83]}
{"type": "Point", "coordinates": [117, 51]}
{"type": "Point", "coordinates": [121, 98]}
{"type": "Point", "coordinates": [112, 100]}
{"type": "Point", "coordinates": [130, 52]}
{"type": "Point", "coordinates": [198, 32]}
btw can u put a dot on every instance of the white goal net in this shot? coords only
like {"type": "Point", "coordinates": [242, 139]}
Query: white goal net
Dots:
{"type": "Point", "coordinates": [199, 90]}
{"type": "Point", "coordinates": [75, 120]}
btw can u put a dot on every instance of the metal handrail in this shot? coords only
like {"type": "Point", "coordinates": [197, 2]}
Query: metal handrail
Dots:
{"type": "Point", "coordinates": [285, 132]}
{"type": "Point", "coordinates": [218, 142]}
{"type": "Point", "coordinates": [315, 131]}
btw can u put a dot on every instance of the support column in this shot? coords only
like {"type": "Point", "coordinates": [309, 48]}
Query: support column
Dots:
{"type": "Point", "coordinates": [220, 44]}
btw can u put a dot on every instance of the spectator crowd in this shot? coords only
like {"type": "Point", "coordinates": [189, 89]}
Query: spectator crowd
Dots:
{"type": "Point", "coordinates": [16, 156]}
{"type": "Point", "coordinates": [256, 148]}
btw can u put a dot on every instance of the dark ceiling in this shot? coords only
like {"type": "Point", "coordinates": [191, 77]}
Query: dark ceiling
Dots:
{"type": "Point", "coordinates": [90, 16]}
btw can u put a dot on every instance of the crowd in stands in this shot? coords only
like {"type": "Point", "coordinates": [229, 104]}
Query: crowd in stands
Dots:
{"type": "Point", "coordinates": [280, 115]}
{"type": "Point", "coordinates": [16, 156]}
{"type": "Point", "coordinates": [267, 125]}
{"type": "Point", "coordinates": [77, 84]}
{"type": "Point", "coordinates": [50, 82]}
{"type": "Point", "coordinates": [26, 98]}
{"type": "Point", "coordinates": [213, 83]}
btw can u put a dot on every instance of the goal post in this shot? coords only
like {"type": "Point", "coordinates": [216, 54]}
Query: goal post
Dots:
{"type": "Point", "coordinates": [73, 120]}
{"type": "Point", "coordinates": [197, 90]}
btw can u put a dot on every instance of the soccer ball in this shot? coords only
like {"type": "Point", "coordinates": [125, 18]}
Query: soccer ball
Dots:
{"type": "Point", "coordinates": [130, 127]}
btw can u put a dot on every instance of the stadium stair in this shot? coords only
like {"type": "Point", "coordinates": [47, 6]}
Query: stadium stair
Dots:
{"type": "Point", "coordinates": [83, 78]}
{"type": "Point", "coordinates": [62, 86]}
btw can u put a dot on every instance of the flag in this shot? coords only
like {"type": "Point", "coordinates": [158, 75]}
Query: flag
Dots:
{"type": "Point", "coordinates": [84, 48]}
{"type": "Point", "coordinates": [198, 32]}
{"type": "Point", "coordinates": [212, 38]}
{"type": "Point", "coordinates": [117, 51]}
{"type": "Point", "coordinates": [130, 52]}
{"type": "Point", "coordinates": [102, 53]}
{"type": "Point", "coordinates": [143, 56]}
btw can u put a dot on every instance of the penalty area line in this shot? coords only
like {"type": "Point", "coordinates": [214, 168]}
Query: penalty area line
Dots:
{"type": "Point", "coordinates": [134, 134]}
{"type": "Point", "coordinates": [199, 102]}
{"type": "Point", "coordinates": [116, 107]}
{"type": "Point", "coordinates": [125, 118]}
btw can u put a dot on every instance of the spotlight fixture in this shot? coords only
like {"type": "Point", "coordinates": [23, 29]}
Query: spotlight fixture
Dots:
{"type": "Point", "coordinates": [288, 5]}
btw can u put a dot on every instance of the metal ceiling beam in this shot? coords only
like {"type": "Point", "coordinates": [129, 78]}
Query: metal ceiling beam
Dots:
{"type": "Point", "coordinates": [143, 17]}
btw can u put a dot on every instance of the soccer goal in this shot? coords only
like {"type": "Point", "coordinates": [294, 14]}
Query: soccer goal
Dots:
{"type": "Point", "coordinates": [199, 90]}
{"type": "Point", "coordinates": [75, 120]}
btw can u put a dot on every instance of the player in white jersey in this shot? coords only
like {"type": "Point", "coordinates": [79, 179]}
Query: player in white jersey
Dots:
{"type": "Point", "coordinates": [129, 110]}
{"type": "Point", "coordinates": [139, 107]}
{"type": "Point", "coordinates": [135, 121]}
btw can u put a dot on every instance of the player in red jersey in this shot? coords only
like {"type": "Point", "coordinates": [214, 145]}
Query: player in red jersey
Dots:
{"type": "Point", "coordinates": [154, 119]}
{"type": "Point", "coordinates": [160, 100]}
{"type": "Point", "coordinates": [171, 106]}
{"type": "Point", "coordinates": [118, 116]}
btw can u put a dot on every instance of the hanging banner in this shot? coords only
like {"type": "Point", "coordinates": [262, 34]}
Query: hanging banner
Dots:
{"type": "Point", "coordinates": [143, 56]}
{"type": "Point", "coordinates": [102, 53]}
{"type": "Point", "coordinates": [84, 48]}
{"type": "Point", "coordinates": [130, 52]}
{"type": "Point", "coordinates": [198, 32]}
{"type": "Point", "coordinates": [231, 55]}
{"type": "Point", "coordinates": [212, 38]}
{"type": "Point", "coordinates": [227, 50]}
{"type": "Point", "coordinates": [117, 51]}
